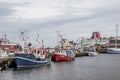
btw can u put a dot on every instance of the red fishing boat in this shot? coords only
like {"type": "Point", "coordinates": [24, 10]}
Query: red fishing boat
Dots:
{"type": "Point", "coordinates": [63, 52]}
{"type": "Point", "coordinates": [63, 55]}
{"type": "Point", "coordinates": [6, 45]}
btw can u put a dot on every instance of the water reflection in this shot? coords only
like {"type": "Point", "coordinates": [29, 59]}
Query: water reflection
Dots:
{"type": "Point", "coordinates": [101, 67]}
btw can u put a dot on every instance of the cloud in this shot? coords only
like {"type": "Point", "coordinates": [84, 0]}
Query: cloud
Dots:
{"type": "Point", "coordinates": [74, 18]}
{"type": "Point", "coordinates": [8, 10]}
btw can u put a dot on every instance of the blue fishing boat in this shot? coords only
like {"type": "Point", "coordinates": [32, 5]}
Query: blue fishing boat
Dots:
{"type": "Point", "coordinates": [23, 60]}
{"type": "Point", "coordinates": [28, 57]}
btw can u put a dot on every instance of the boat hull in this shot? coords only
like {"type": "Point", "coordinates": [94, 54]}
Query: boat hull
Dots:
{"type": "Point", "coordinates": [28, 60]}
{"type": "Point", "coordinates": [58, 57]}
{"type": "Point", "coordinates": [113, 50]}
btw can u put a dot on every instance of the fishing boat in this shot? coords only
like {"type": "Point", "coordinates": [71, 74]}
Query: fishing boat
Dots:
{"type": "Point", "coordinates": [23, 60]}
{"type": "Point", "coordinates": [114, 50]}
{"type": "Point", "coordinates": [64, 55]}
{"type": "Point", "coordinates": [7, 45]}
{"type": "Point", "coordinates": [30, 57]}
{"type": "Point", "coordinates": [63, 51]}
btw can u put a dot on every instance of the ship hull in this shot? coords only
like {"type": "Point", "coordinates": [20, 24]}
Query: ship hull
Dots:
{"type": "Point", "coordinates": [113, 50]}
{"type": "Point", "coordinates": [28, 60]}
{"type": "Point", "coordinates": [58, 57]}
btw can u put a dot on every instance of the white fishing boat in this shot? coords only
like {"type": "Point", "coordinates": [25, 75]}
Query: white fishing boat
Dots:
{"type": "Point", "coordinates": [115, 50]}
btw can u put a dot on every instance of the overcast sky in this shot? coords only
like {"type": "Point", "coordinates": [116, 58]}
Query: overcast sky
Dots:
{"type": "Point", "coordinates": [73, 18]}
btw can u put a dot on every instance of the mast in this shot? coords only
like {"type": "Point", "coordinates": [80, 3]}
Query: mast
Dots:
{"type": "Point", "coordinates": [57, 36]}
{"type": "Point", "coordinates": [23, 38]}
{"type": "Point", "coordinates": [37, 40]}
{"type": "Point", "coordinates": [116, 35]}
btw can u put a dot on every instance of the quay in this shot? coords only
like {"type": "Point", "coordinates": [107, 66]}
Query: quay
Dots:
{"type": "Point", "coordinates": [6, 62]}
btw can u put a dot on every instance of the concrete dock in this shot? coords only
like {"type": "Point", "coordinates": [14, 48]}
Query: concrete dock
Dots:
{"type": "Point", "coordinates": [5, 62]}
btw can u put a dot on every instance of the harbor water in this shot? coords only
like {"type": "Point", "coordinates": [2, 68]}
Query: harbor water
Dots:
{"type": "Point", "coordinates": [101, 67]}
